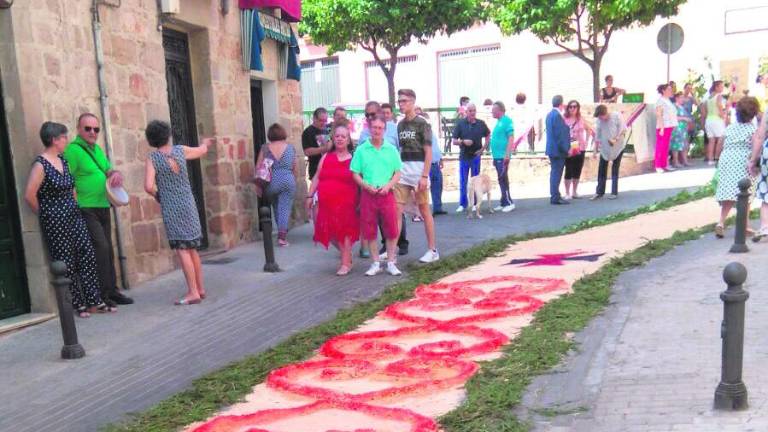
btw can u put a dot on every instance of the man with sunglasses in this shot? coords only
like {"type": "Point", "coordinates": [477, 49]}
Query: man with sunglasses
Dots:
{"type": "Point", "coordinates": [90, 168]}
{"type": "Point", "coordinates": [372, 111]}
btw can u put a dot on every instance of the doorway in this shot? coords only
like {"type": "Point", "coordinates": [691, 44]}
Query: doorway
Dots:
{"type": "Point", "coordinates": [257, 115]}
{"type": "Point", "coordinates": [14, 292]}
{"type": "Point", "coordinates": [181, 103]}
{"type": "Point", "coordinates": [259, 128]}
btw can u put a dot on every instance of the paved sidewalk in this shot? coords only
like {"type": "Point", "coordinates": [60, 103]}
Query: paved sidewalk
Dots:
{"type": "Point", "coordinates": [151, 350]}
{"type": "Point", "coordinates": [651, 362]}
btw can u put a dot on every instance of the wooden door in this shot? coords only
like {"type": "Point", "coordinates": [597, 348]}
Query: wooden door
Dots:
{"type": "Point", "coordinates": [181, 103]}
{"type": "Point", "coordinates": [14, 293]}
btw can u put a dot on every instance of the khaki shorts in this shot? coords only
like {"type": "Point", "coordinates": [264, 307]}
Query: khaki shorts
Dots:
{"type": "Point", "coordinates": [405, 194]}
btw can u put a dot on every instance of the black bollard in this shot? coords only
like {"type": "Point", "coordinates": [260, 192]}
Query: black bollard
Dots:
{"type": "Point", "coordinates": [265, 220]}
{"type": "Point", "coordinates": [742, 211]}
{"type": "Point", "coordinates": [72, 348]}
{"type": "Point", "coordinates": [731, 393]}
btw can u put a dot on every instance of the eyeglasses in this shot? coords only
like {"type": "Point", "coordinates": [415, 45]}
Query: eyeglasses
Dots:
{"type": "Point", "coordinates": [94, 129]}
{"type": "Point", "coordinates": [370, 115]}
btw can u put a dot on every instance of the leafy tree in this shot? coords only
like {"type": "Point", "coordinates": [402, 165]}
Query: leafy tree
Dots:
{"type": "Point", "coordinates": [581, 27]}
{"type": "Point", "coordinates": [387, 25]}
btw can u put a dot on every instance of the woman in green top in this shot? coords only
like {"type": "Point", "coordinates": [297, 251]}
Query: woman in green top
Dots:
{"type": "Point", "coordinates": [715, 122]}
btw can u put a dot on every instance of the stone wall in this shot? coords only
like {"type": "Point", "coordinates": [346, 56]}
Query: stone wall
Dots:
{"type": "Point", "coordinates": [48, 70]}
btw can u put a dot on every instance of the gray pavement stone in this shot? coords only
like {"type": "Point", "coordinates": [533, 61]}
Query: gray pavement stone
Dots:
{"type": "Point", "coordinates": [653, 356]}
{"type": "Point", "coordinates": [151, 350]}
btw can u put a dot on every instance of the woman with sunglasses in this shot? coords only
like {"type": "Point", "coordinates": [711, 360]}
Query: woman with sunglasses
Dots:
{"type": "Point", "coordinates": [580, 131]}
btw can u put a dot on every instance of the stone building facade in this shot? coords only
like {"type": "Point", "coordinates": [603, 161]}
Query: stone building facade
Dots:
{"type": "Point", "coordinates": [186, 67]}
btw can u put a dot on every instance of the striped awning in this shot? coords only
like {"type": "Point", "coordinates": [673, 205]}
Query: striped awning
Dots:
{"type": "Point", "coordinates": [251, 33]}
{"type": "Point", "coordinates": [291, 9]}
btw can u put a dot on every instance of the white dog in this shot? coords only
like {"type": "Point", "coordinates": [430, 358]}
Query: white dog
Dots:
{"type": "Point", "coordinates": [476, 187]}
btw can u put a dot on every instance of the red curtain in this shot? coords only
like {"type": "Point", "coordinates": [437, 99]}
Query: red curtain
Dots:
{"type": "Point", "coordinates": [291, 8]}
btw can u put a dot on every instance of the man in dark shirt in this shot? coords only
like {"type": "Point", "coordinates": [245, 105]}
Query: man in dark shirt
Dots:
{"type": "Point", "coordinates": [315, 141]}
{"type": "Point", "coordinates": [468, 135]}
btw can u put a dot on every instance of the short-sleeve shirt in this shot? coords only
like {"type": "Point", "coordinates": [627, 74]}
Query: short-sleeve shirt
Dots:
{"type": "Point", "coordinates": [414, 135]}
{"type": "Point", "coordinates": [376, 166]}
{"type": "Point", "coordinates": [309, 139]}
{"type": "Point", "coordinates": [474, 131]}
{"type": "Point", "coordinates": [500, 136]}
{"type": "Point", "coordinates": [90, 173]}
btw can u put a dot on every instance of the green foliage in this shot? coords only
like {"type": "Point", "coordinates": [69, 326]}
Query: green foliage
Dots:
{"type": "Point", "coordinates": [387, 24]}
{"type": "Point", "coordinates": [581, 27]}
{"type": "Point", "coordinates": [342, 24]}
{"type": "Point", "coordinates": [557, 21]}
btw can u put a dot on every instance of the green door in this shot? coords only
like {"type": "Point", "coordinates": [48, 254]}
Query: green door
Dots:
{"type": "Point", "coordinates": [14, 296]}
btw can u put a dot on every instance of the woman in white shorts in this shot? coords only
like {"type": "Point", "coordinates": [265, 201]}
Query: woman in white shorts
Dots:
{"type": "Point", "coordinates": [715, 123]}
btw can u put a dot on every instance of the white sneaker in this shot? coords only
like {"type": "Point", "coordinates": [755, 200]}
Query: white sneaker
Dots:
{"type": "Point", "coordinates": [460, 209]}
{"type": "Point", "coordinates": [659, 170]}
{"type": "Point", "coordinates": [498, 208]}
{"type": "Point", "coordinates": [392, 269]}
{"type": "Point", "coordinates": [430, 256]}
{"type": "Point", "coordinates": [374, 269]}
{"type": "Point", "coordinates": [474, 208]}
{"type": "Point", "coordinates": [508, 208]}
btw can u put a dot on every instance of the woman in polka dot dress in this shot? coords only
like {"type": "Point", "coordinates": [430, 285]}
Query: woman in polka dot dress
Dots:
{"type": "Point", "coordinates": [758, 164]}
{"type": "Point", "coordinates": [734, 159]}
{"type": "Point", "coordinates": [282, 187]}
{"type": "Point", "coordinates": [166, 179]}
{"type": "Point", "coordinates": [50, 194]}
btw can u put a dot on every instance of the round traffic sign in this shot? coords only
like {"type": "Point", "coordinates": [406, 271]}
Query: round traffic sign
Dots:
{"type": "Point", "coordinates": [670, 38]}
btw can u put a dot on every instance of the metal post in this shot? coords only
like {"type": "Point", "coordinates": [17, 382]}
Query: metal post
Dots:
{"type": "Point", "coordinates": [742, 213]}
{"type": "Point", "coordinates": [731, 393]}
{"type": "Point", "coordinates": [265, 219]}
{"type": "Point", "coordinates": [72, 348]}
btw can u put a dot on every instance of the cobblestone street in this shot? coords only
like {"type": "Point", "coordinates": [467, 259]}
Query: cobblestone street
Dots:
{"type": "Point", "coordinates": [651, 361]}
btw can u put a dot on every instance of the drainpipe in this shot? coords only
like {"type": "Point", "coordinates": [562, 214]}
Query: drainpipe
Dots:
{"type": "Point", "coordinates": [105, 116]}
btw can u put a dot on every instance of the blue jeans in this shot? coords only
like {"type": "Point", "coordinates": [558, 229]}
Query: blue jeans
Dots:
{"type": "Point", "coordinates": [436, 186]}
{"type": "Point", "coordinates": [506, 198]}
{"type": "Point", "coordinates": [464, 167]}
{"type": "Point", "coordinates": [555, 175]}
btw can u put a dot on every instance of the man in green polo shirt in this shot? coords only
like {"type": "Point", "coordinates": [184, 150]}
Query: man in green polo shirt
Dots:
{"type": "Point", "coordinates": [502, 145]}
{"type": "Point", "coordinates": [376, 169]}
{"type": "Point", "coordinates": [90, 169]}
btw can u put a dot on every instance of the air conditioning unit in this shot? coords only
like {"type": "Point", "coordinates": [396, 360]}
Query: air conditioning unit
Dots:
{"type": "Point", "coordinates": [170, 6]}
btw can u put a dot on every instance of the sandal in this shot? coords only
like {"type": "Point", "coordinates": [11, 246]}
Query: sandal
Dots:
{"type": "Point", "coordinates": [186, 302]}
{"type": "Point", "coordinates": [82, 312]}
{"type": "Point", "coordinates": [719, 231]}
{"type": "Point", "coordinates": [343, 270]}
{"type": "Point", "coordinates": [102, 308]}
{"type": "Point", "coordinates": [760, 234]}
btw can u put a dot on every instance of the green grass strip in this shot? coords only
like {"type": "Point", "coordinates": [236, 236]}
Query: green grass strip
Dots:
{"type": "Point", "coordinates": [499, 385]}
{"type": "Point", "coordinates": [232, 383]}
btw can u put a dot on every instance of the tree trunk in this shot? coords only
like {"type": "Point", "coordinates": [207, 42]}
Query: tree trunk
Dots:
{"type": "Point", "coordinates": [391, 85]}
{"type": "Point", "coordinates": [596, 79]}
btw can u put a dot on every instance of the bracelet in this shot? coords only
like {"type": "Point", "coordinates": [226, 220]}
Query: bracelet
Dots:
{"type": "Point", "coordinates": [425, 176]}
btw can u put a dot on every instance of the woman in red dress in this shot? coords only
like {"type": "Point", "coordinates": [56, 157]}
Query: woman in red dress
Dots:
{"type": "Point", "coordinates": [337, 220]}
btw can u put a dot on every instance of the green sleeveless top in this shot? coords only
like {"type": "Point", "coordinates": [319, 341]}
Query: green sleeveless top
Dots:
{"type": "Point", "coordinates": [712, 102]}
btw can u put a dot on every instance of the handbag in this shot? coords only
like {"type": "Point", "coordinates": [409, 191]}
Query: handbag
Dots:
{"type": "Point", "coordinates": [263, 174]}
{"type": "Point", "coordinates": [118, 197]}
